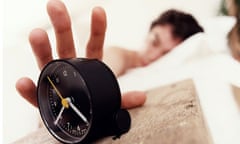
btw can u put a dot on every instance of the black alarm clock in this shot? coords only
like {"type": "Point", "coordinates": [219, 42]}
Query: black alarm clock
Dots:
{"type": "Point", "coordinates": [80, 101]}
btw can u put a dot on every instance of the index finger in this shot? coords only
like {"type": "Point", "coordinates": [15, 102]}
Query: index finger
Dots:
{"type": "Point", "coordinates": [97, 35]}
{"type": "Point", "coordinates": [61, 21]}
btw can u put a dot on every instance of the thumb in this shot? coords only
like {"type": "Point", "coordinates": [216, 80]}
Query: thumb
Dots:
{"type": "Point", "coordinates": [133, 99]}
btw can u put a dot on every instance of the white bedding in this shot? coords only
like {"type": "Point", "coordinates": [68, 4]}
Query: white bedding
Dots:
{"type": "Point", "coordinates": [206, 59]}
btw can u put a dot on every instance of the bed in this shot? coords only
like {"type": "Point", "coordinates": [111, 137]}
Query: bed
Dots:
{"type": "Point", "coordinates": [205, 59]}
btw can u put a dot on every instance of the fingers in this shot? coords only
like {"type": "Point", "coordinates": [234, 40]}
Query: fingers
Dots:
{"type": "Point", "coordinates": [27, 89]}
{"type": "Point", "coordinates": [40, 42]}
{"type": "Point", "coordinates": [41, 47]}
{"type": "Point", "coordinates": [62, 27]}
{"type": "Point", "coordinates": [133, 99]}
{"type": "Point", "coordinates": [65, 48]}
{"type": "Point", "coordinates": [98, 29]}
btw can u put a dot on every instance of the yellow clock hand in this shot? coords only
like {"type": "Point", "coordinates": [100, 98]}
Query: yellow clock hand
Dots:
{"type": "Point", "coordinates": [63, 100]}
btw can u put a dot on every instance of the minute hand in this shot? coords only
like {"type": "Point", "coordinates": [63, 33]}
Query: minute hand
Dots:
{"type": "Point", "coordinates": [77, 111]}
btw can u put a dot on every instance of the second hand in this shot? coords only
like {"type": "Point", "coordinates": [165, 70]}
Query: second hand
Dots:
{"type": "Point", "coordinates": [63, 100]}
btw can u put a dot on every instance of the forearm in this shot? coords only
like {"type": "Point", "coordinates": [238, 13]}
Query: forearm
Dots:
{"type": "Point", "coordinates": [120, 60]}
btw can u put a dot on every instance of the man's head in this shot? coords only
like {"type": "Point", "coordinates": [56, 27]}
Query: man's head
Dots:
{"type": "Point", "coordinates": [167, 31]}
{"type": "Point", "coordinates": [183, 24]}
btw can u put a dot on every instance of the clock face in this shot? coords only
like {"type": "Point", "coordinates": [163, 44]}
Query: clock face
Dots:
{"type": "Point", "coordinates": [64, 102]}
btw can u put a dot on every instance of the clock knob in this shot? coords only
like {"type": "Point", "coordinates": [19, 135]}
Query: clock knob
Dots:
{"type": "Point", "coordinates": [122, 122]}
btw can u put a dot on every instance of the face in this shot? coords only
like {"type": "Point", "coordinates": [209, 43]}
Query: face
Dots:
{"type": "Point", "coordinates": [159, 41]}
{"type": "Point", "coordinates": [64, 103]}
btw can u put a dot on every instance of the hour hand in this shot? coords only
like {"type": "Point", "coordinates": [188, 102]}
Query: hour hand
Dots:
{"type": "Point", "coordinates": [59, 115]}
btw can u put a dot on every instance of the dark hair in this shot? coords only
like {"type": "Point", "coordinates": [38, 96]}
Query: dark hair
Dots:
{"type": "Point", "coordinates": [183, 25]}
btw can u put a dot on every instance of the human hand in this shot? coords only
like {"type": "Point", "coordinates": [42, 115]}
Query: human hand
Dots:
{"type": "Point", "coordinates": [65, 48]}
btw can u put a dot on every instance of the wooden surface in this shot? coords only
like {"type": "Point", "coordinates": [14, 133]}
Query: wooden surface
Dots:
{"type": "Point", "coordinates": [171, 115]}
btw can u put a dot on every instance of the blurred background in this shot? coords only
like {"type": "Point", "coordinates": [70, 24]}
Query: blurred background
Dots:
{"type": "Point", "coordinates": [128, 23]}
{"type": "Point", "coordinates": [1, 100]}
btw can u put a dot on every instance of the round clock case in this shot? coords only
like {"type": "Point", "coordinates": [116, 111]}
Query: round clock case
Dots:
{"type": "Point", "coordinates": [92, 89]}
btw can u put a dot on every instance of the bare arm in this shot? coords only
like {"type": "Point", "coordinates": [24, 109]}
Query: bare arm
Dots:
{"type": "Point", "coordinates": [120, 59]}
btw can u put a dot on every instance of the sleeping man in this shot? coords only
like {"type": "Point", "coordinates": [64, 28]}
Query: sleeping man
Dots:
{"type": "Point", "coordinates": [167, 31]}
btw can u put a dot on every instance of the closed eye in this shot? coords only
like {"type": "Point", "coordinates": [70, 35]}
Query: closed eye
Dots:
{"type": "Point", "coordinates": [156, 40]}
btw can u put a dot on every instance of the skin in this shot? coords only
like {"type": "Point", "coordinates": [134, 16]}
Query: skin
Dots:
{"type": "Point", "coordinates": [159, 41]}
{"type": "Point", "coordinates": [41, 48]}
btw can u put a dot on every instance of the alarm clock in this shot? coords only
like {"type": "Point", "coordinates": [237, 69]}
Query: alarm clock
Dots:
{"type": "Point", "coordinates": [80, 101]}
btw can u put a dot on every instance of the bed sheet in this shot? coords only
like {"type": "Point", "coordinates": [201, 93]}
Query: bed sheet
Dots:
{"type": "Point", "coordinates": [205, 58]}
